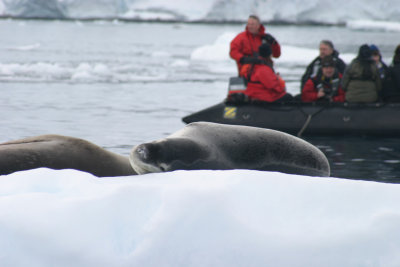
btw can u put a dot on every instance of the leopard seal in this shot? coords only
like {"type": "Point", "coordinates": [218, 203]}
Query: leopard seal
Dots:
{"type": "Point", "coordinates": [212, 146]}
{"type": "Point", "coordinates": [61, 152]}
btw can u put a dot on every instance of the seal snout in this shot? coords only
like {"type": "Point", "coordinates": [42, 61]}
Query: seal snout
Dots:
{"type": "Point", "coordinates": [143, 158]}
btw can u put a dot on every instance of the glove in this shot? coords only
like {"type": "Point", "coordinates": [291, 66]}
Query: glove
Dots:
{"type": "Point", "coordinates": [249, 60]}
{"type": "Point", "coordinates": [269, 39]}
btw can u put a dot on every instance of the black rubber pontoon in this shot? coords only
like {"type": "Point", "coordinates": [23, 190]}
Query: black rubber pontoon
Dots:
{"type": "Point", "coordinates": [297, 118]}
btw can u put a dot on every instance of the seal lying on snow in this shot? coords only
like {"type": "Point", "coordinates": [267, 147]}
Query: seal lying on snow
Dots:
{"type": "Point", "coordinates": [204, 145]}
{"type": "Point", "coordinates": [61, 152]}
{"type": "Point", "coordinates": [199, 145]}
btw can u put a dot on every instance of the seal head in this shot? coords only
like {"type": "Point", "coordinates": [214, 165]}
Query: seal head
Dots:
{"type": "Point", "coordinates": [167, 155]}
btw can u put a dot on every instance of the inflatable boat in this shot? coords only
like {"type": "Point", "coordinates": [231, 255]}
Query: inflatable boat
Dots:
{"type": "Point", "coordinates": [298, 118]}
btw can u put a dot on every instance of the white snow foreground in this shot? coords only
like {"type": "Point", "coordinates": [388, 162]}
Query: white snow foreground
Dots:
{"type": "Point", "coordinates": [196, 218]}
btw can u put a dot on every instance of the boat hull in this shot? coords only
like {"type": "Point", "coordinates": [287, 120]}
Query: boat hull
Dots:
{"type": "Point", "coordinates": [380, 119]}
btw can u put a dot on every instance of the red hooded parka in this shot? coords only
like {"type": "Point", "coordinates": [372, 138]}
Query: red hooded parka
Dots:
{"type": "Point", "coordinates": [264, 84]}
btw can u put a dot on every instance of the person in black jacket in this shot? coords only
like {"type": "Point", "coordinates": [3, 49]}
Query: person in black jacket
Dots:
{"type": "Point", "coordinates": [377, 57]}
{"type": "Point", "coordinates": [391, 84]}
{"type": "Point", "coordinates": [326, 48]}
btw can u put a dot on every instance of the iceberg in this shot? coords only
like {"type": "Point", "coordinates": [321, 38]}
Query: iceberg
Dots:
{"type": "Point", "coordinates": [368, 25]}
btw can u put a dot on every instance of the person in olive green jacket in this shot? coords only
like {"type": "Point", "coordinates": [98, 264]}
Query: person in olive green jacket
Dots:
{"type": "Point", "coordinates": [361, 80]}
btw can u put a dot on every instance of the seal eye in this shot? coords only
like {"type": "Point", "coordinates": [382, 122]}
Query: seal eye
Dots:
{"type": "Point", "coordinates": [142, 152]}
{"type": "Point", "coordinates": [147, 152]}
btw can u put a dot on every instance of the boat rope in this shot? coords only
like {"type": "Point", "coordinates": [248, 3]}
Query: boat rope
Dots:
{"type": "Point", "coordinates": [305, 125]}
{"type": "Point", "coordinates": [308, 120]}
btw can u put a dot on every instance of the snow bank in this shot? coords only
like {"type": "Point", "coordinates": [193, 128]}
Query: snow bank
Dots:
{"type": "Point", "coordinates": [176, 9]}
{"type": "Point", "coordinates": [218, 51]}
{"type": "Point", "coordinates": [196, 218]}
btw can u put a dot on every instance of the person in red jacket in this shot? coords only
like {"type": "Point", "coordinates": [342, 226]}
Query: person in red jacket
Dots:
{"type": "Point", "coordinates": [326, 85]}
{"type": "Point", "coordinates": [262, 82]}
{"type": "Point", "coordinates": [244, 47]}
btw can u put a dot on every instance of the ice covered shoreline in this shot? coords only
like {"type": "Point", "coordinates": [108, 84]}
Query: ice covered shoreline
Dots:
{"type": "Point", "coordinates": [171, 20]}
{"type": "Point", "coordinates": [353, 24]}
{"type": "Point", "coordinates": [206, 11]}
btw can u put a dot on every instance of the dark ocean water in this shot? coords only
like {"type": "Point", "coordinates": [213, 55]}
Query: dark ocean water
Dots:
{"type": "Point", "coordinates": [364, 158]}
